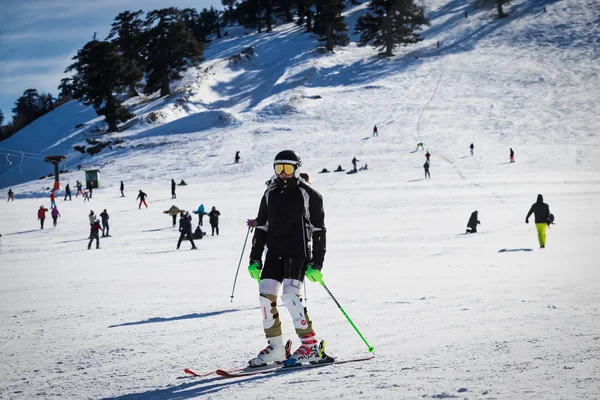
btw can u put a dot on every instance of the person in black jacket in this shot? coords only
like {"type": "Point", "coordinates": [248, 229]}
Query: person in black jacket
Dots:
{"type": "Point", "coordinates": [142, 196]}
{"type": "Point", "coordinates": [173, 185]}
{"type": "Point", "coordinates": [426, 166]}
{"type": "Point", "coordinates": [473, 222]}
{"type": "Point", "coordinates": [185, 227]}
{"type": "Point", "coordinates": [122, 187]}
{"type": "Point", "coordinates": [104, 215]}
{"type": "Point", "coordinates": [290, 215]}
{"type": "Point", "coordinates": [67, 192]}
{"type": "Point", "coordinates": [542, 212]}
{"type": "Point", "coordinates": [213, 218]}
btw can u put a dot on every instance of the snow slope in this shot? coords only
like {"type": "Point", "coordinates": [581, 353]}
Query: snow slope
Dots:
{"type": "Point", "coordinates": [450, 315]}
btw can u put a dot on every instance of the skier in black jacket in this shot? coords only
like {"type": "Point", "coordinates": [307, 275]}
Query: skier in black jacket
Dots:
{"type": "Point", "coordinates": [473, 222]}
{"type": "Point", "coordinates": [541, 211]}
{"type": "Point", "coordinates": [213, 218]}
{"type": "Point", "coordinates": [173, 186]}
{"type": "Point", "coordinates": [185, 227]}
{"type": "Point", "coordinates": [290, 212]}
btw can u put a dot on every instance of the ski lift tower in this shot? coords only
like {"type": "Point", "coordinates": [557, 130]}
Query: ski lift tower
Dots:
{"type": "Point", "coordinates": [55, 160]}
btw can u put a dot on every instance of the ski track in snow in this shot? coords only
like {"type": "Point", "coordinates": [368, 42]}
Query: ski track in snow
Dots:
{"type": "Point", "coordinates": [450, 315]}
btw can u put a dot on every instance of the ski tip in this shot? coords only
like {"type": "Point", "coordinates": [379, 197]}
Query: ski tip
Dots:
{"type": "Point", "coordinates": [190, 372]}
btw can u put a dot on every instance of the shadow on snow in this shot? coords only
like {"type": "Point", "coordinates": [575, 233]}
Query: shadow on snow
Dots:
{"type": "Point", "coordinates": [187, 316]}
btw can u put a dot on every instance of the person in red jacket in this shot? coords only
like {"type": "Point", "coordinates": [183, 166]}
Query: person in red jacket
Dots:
{"type": "Point", "coordinates": [94, 234]}
{"type": "Point", "coordinates": [52, 199]}
{"type": "Point", "coordinates": [42, 216]}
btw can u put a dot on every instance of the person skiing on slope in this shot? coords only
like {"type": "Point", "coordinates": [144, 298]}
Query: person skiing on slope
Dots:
{"type": "Point", "coordinates": [68, 192]}
{"type": "Point", "coordinates": [52, 199]}
{"type": "Point", "coordinates": [542, 212]}
{"type": "Point", "coordinates": [426, 166]}
{"type": "Point", "coordinates": [290, 212]}
{"type": "Point", "coordinates": [173, 186]}
{"type": "Point", "coordinates": [122, 187]}
{"type": "Point", "coordinates": [237, 157]}
{"type": "Point", "coordinates": [11, 195]}
{"type": "Point", "coordinates": [354, 161]}
{"type": "Point", "coordinates": [512, 155]}
{"type": "Point", "coordinates": [78, 185]}
{"type": "Point", "coordinates": [375, 133]}
{"type": "Point", "coordinates": [472, 147]}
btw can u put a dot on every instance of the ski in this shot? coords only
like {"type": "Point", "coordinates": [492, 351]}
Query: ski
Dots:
{"type": "Point", "coordinates": [235, 370]}
{"type": "Point", "coordinates": [273, 369]}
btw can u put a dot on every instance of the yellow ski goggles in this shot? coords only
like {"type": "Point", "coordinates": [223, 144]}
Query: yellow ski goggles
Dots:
{"type": "Point", "coordinates": [287, 169]}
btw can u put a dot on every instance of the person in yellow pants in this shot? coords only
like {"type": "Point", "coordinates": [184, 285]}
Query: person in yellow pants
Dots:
{"type": "Point", "coordinates": [541, 211]}
{"type": "Point", "coordinates": [541, 231]}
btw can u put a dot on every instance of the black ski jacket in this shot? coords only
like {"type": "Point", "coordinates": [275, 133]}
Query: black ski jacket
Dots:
{"type": "Point", "coordinates": [540, 209]}
{"type": "Point", "coordinates": [473, 221]}
{"type": "Point", "coordinates": [290, 213]}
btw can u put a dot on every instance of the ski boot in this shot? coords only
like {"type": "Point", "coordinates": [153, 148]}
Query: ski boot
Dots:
{"type": "Point", "coordinates": [275, 352]}
{"type": "Point", "coordinates": [311, 351]}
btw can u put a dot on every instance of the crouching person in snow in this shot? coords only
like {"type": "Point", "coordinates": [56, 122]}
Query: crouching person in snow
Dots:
{"type": "Point", "coordinates": [94, 234]}
{"type": "Point", "coordinates": [473, 222]}
{"type": "Point", "coordinates": [290, 212]}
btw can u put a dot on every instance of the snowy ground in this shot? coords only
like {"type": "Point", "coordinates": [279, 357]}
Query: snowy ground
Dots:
{"type": "Point", "coordinates": [485, 316]}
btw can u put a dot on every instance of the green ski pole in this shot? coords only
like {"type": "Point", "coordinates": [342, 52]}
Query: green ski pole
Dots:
{"type": "Point", "coordinates": [347, 317]}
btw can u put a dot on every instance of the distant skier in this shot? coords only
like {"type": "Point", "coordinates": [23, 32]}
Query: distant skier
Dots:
{"type": "Point", "coordinates": [420, 144]}
{"type": "Point", "coordinates": [122, 188]}
{"type": "Point", "coordinates": [95, 234]}
{"type": "Point", "coordinates": [78, 185]}
{"type": "Point", "coordinates": [11, 195]}
{"type": "Point", "coordinates": [290, 215]}
{"type": "Point", "coordinates": [90, 188]}
{"type": "Point", "coordinates": [542, 213]}
{"type": "Point", "coordinates": [142, 196]}
{"type": "Point", "coordinates": [185, 229]}
{"type": "Point", "coordinates": [354, 161]}
{"type": "Point", "coordinates": [473, 222]}
{"type": "Point", "coordinates": [173, 186]}
{"type": "Point", "coordinates": [200, 212]}
{"type": "Point", "coordinates": [426, 166]}
{"type": "Point", "coordinates": [105, 227]}
{"type": "Point", "coordinates": [512, 155]}
{"type": "Point", "coordinates": [55, 214]}
{"type": "Point", "coordinates": [237, 157]}
{"type": "Point", "coordinates": [42, 216]}
{"type": "Point", "coordinates": [52, 199]}
{"type": "Point", "coordinates": [427, 155]}
{"type": "Point", "coordinates": [213, 218]}
{"type": "Point", "coordinates": [67, 192]}
{"type": "Point", "coordinates": [472, 147]}
{"type": "Point", "coordinates": [375, 133]}
{"type": "Point", "coordinates": [92, 217]}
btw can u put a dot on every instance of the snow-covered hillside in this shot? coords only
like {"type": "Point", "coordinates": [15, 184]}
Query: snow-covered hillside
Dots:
{"type": "Point", "coordinates": [450, 315]}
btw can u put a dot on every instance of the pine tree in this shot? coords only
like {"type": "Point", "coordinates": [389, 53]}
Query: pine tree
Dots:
{"type": "Point", "coordinates": [127, 33]}
{"type": "Point", "coordinates": [46, 103]}
{"type": "Point", "coordinates": [27, 107]}
{"type": "Point", "coordinates": [210, 20]}
{"type": "Point", "coordinates": [390, 23]}
{"type": "Point", "coordinates": [333, 24]}
{"type": "Point", "coordinates": [99, 74]}
{"type": "Point", "coordinates": [171, 48]}
{"type": "Point", "coordinates": [65, 89]}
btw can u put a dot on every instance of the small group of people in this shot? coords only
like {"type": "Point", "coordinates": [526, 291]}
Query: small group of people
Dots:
{"type": "Point", "coordinates": [543, 219]}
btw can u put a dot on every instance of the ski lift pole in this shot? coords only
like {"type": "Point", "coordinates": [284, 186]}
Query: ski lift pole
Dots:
{"type": "Point", "coordinates": [250, 228]}
{"type": "Point", "coordinates": [371, 348]}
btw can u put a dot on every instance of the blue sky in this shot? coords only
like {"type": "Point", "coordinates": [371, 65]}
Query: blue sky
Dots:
{"type": "Point", "coordinates": [38, 38]}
